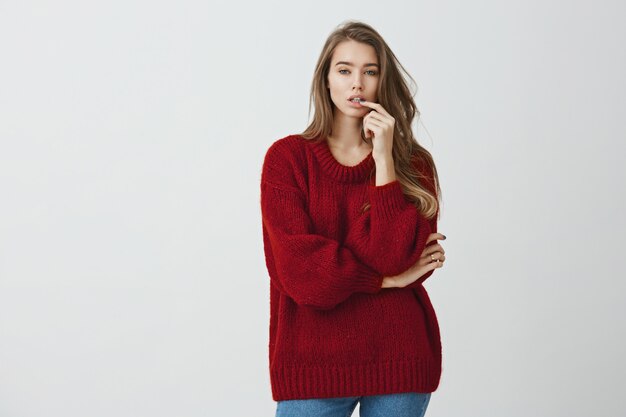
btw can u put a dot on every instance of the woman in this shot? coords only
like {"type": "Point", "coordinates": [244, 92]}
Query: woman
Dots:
{"type": "Point", "coordinates": [349, 211]}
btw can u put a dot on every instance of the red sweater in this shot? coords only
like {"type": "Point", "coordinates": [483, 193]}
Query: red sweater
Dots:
{"type": "Point", "coordinates": [334, 331]}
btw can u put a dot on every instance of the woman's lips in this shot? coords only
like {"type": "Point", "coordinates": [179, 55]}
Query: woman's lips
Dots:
{"type": "Point", "coordinates": [355, 103]}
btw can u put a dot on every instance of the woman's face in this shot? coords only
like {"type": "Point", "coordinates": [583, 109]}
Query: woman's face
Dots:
{"type": "Point", "coordinates": [354, 70]}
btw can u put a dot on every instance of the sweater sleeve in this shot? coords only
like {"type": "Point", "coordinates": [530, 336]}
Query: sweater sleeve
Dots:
{"type": "Point", "coordinates": [312, 269]}
{"type": "Point", "coordinates": [424, 277]}
{"type": "Point", "coordinates": [392, 234]}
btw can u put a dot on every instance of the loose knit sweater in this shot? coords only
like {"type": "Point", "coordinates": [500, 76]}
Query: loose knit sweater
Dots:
{"type": "Point", "coordinates": [334, 331]}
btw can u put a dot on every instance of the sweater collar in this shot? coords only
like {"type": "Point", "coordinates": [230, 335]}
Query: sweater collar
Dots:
{"type": "Point", "coordinates": [342, 173]}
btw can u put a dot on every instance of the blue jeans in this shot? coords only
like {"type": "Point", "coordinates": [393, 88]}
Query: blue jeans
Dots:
{"type": "Point", "coordinates": [407, 404]}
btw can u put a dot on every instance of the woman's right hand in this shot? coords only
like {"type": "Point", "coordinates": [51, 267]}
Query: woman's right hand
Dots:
{"type": "Point", "coordinates": [425, 263]}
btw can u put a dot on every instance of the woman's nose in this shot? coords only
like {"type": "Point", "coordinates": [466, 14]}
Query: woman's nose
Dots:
{"type": "Point", "coordinates": [357, 83]}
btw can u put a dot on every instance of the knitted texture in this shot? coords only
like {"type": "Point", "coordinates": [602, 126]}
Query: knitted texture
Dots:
{"type": "Point", "coordinates": [334, 331]}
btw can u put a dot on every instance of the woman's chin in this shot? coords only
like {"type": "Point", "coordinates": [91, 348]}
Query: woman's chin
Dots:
{"type": "Point", "coordinates": [353, 111]}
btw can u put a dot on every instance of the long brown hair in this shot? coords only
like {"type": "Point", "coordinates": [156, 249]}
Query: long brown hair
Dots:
{"type": "Point", "coordinates": [414, 165]}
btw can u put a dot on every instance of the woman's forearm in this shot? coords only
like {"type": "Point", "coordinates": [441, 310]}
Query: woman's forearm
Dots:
{"type": "Point", "coordinates": [388, 282]}
{"type": "Point", "coordinates": [385, 170]}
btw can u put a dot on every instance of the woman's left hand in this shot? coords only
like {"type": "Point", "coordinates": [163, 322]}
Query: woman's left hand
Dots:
{"type": "Point", "coordinates": [379, 123]}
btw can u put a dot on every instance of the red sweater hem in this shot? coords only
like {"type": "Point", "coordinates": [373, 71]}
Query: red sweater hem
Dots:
{"type": "Point", "coordinates": [299, 381]}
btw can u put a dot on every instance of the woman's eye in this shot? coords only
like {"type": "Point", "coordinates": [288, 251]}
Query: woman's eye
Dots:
{"type": "Point", "coordinates": [372, 72]}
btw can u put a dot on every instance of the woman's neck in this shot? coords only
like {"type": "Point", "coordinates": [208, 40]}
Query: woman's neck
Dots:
{"type": "Point", "coordinates": [346, 133]}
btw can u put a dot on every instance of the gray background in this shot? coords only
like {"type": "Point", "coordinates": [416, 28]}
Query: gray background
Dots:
{"type": "Point", "coordinates": [132, 276]}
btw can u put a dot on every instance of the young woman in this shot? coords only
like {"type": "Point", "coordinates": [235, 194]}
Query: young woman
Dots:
{"type": "Point", "coordinates": [349, 211]}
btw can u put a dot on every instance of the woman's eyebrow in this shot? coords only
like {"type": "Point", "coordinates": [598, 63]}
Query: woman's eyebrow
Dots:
{"type": "Point", "coordinates": [371, 64]}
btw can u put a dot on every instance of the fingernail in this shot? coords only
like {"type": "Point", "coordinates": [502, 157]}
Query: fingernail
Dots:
{"type": "Point", "coordinates": [444, 237]}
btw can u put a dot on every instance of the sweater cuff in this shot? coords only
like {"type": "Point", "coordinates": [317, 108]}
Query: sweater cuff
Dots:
{"type": "Point", "coordinates": [387, 199]}
{"type": "Point", "coordinates": [371, 284]}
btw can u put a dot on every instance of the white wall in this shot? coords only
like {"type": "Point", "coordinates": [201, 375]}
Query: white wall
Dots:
{"type": "Point", "coordinates": [132, 133]}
